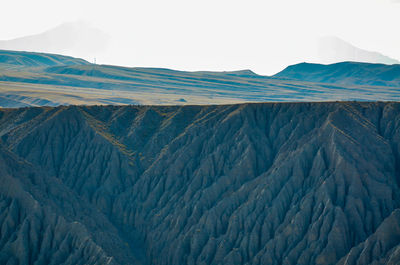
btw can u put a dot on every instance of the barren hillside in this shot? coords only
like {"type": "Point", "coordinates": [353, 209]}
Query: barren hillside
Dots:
{"type": "Point", "coordinates": [271, 183]}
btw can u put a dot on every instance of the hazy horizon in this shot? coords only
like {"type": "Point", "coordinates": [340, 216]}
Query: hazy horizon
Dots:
{"type": "Point", "coordinates": [217, 36]}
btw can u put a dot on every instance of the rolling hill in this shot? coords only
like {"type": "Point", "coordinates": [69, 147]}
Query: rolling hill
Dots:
{"type": "Point", "coordinates": [345, 73]}
{"type": "Point", "coordinates": [33, 59]}
{"type": "Point", "coordinates": [37, 79]}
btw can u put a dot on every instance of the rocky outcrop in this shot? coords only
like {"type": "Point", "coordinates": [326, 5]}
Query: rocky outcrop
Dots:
{"type": "Point", "coordinates": [44, 222]}
{"type": "Point", "coordinates": [290, 183]}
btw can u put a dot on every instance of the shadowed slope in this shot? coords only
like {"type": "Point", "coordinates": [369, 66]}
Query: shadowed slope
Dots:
{"type": "Point", "coordinates": [306, 183]}
{"type": "Point", "coordinates": [44, 222]}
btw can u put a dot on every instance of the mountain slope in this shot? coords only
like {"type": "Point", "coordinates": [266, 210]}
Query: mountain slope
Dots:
{"type": "Point", "coordinates": [31, 79]}
{"type": "Point", "coordinates": [305, 183]}
{"type": "Point", "coordinates": [33, 59]}
{"type": "Point", "coordinates": [333, 49]}
{"type": "Point", "coordinates": [35, 79]}
{"type": "Point", "coordinates": [75, 38]}
{"type": "Point", "coordinates": [345, 73]}
{"type": "Point", "coordinates": [44, 222]}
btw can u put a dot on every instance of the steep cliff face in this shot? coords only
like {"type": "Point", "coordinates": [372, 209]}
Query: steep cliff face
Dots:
{"type": "Point", "coordinates": [305, 183]}
{"type": "Point", "coordinates": [44, 222]}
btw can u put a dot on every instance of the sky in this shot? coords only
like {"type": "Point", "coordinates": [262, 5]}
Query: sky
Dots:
{"type": "Point", "coordinates": [264, 36]}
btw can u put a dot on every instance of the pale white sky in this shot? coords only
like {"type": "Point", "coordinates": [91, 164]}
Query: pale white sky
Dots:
{"type": "Point", "coordinates": [264, 36]}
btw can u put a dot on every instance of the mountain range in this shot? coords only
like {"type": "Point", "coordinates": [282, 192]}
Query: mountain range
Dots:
{"type": "Point", "coordinates": [265, 183]}
{"type": "Point", "coordinates": [83, 39]}
{"type": "Point", "coordinates": [78, 38]}
{"type": "Point", "coordinates": [332, 49]}
{"type": "Point", "coordinates": [103, 164]}
{"type": "Point", "coordinates": [345, 73]}
{"type": "Point", "coordinates": [39, 79]}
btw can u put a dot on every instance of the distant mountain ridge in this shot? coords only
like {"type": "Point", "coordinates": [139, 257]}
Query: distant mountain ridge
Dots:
{"type": "Point", "coordinates": [345, 73]}
{"type": "Point", "coordinates": [77, 38]}
{"type": "Point", "coordinates": [333, 50]}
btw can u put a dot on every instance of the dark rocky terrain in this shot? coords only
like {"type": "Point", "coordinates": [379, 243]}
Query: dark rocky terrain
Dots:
{"type": "Point", "coordinates": [271, 183]}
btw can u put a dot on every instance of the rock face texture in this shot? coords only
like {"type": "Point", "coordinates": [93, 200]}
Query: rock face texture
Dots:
{"type": "Point", "coordinates": [272, 183]}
